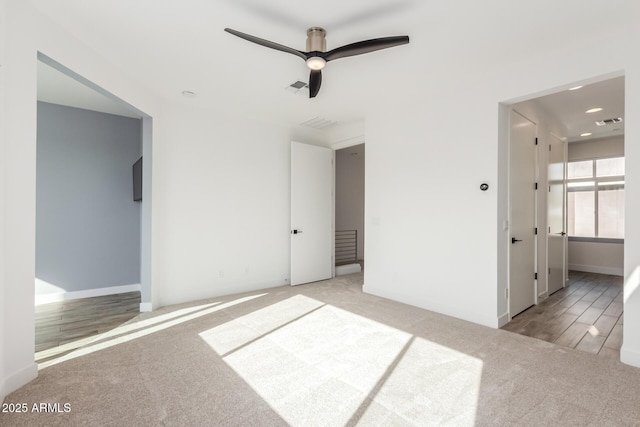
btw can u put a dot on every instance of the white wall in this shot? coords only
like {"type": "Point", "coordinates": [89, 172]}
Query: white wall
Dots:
{"type": "Point", "coordinates": [432, 235]}
{"type": "Point", "coordinates": [3, 34]}
{"type": "Point", "coordinates": [349, 192]}
{"type": "Point", "coordinates": [18, 199]}
{"type": "Point", "coordinates": [596, 257]}
{"type": "Point", "coordinates": [630, 351]}
{"type": "Point", "coordinates": [26, 34]}
{"type": "Point", "coordinates": [222, 199]}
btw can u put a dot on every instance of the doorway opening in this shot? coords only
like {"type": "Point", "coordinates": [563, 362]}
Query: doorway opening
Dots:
{"type": "Point", "coordinates": [92, 259]}
{"type": "Point", "coordinates": [579, 218]}
{"type": "Point", "coordinates": [349, 209]}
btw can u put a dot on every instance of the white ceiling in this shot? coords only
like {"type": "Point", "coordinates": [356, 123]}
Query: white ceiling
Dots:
{"type": "Point", "coordinates": [569, 106]}
{"type": "Point", "coordinates": [170, 46]}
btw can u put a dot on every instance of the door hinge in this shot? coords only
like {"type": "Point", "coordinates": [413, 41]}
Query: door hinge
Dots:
{"type": "Point", "coordinates": [535, 231]}
{"type": "Point", "coordinates": [536, 186]}
{"type": "Point", "coordinates": [549, 271]}
{"type": "Point", "coordinates": [549, 229]}
{"type": "Point", "coordinates": [535, 276]}
{"type": "Point", "coordinates": [549, 147]}
{"type": "Point", "coordinates": [536, 141]}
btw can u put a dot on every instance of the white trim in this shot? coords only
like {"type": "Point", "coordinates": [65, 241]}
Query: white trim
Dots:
{"type": "Point", "coordinates": [349, 142]}
{"type": "Point", "coordinates": [341, 270]}
{"type": "Point", "coordinates": [17, 380]}
{"type": "Point", "coordinates": [145, 307]}
{"type": "Point", "coordinates": [615, 271]}
{"type": "Point", "coordinates": [630, 357]}
{"type": "Point", "coordinates": [503, 320]}
{"type": "Point", "coordinates": [88, 293]}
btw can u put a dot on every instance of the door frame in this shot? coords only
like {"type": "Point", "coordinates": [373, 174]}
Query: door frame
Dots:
{"type": "Point", "coordinates": [345, 143]}
{"type": "Point", "coordinates": [536, 166]}
{"type": "Point", "coordinates": [565, 240]}
{"type": "Point", "coordinates": [331, 208]}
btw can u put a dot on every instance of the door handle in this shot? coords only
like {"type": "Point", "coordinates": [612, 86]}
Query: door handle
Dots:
{"type": "Point", "coordinates": [562, 233]}
{"type": "Point", "coordinates": [514, 240]}
{"type": "Point", "coordinates": [296, 231]}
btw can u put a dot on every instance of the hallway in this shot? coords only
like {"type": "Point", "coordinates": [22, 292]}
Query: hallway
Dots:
{"type": "Point", "coordinates": [585, 315]}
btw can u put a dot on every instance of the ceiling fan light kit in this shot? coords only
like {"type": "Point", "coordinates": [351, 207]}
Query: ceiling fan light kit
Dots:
{"type": "Point", "coordinates": [316, 56]}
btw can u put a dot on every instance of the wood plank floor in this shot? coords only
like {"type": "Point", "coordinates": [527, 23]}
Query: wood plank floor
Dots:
{"type": "Point", "coordinates": [64, 323]}
{"type": "Point", "coordinates": [585, 315]}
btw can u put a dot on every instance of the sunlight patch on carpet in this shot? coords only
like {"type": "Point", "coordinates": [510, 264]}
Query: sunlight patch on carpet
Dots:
{"type": "Point", "coordinates": [238, 332]}
{"type": "Point", "coordinates": [431, 385]}
{"type": "Point", "coordinates": [319, 369]}
{"type": "Point", "coordinates": [138, 333]}
{"type": "Point", "coordinates": [333, 367]}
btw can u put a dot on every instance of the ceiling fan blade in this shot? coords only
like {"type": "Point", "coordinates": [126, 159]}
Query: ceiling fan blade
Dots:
{"type": "Point", "coordinates": [315, 80]}
{"type": "Point", "coordinates": [365, 47]}
{"type": "Point", "coordinates": [266, 43]}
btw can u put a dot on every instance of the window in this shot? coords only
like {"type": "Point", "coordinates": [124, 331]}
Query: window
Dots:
{"type": "Point", "coordinates": [595, 202]}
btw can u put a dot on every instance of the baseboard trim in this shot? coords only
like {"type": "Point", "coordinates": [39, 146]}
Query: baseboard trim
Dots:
{"type": "Point", "coordinates": [88, 293]}
{"type": "Point", "coordinates": [341, 270]}
{"type": "Point", "coordinates": [17, 380]}
{"type": "Point", "coordinates": [614, 271]}
{"type": "Point", "coordinates": [630, 357]}
{"type": "Point", "coordinates": [145, 307]}
{"type": "Point", "coordinates": [503, 320]}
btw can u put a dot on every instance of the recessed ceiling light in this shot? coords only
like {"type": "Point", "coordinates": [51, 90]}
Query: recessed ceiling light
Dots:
{"type": "Point", "coordinates": [593, 110]}
{"type": "Point", "coordinates": [575, 88]}
{"type": "Point", "coordinates": [586, 134]}
{"type": "Point", "coordinates": [188, 93]}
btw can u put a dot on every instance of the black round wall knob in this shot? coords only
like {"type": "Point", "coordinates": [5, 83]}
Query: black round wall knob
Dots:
{"type": "Point", "coordinates": [484, 186]}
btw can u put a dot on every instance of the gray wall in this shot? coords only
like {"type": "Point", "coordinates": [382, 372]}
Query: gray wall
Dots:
{"type": "Point", "coordinates": [87, 224]}
{"type": "Point", "coordinates": [350, 192]}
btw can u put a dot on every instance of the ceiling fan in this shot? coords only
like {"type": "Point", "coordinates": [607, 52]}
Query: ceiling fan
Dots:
{"type": "Point", "coordinates": [316, 57]}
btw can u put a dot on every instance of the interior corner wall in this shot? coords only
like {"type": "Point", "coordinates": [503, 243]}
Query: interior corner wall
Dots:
{"type": "Point", "coordinates": [222, 198]}
{"type": "Point", "coordinates": [350, 192]}
{"type": "Point", "coordinates": [87, 224]}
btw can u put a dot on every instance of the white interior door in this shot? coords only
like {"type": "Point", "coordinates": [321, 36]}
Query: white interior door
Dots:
{"type": "Point", "coordinates": [556, 211]}
{"type": "Point", "coordinates": [522, 247]}
{"type": "Point", "coordinates": [311, 213]}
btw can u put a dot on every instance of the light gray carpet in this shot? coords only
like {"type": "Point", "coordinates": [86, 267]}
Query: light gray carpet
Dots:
{"type": "Point", "coordinates": [325, 354]}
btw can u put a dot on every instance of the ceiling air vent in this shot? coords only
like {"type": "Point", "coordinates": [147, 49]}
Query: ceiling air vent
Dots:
{"type": "Point", "coordinates": [318, 123]}
{"type": "Point", "coordinates": [609, 121]}
{"type": "Point", "coordinates": [297, 87]}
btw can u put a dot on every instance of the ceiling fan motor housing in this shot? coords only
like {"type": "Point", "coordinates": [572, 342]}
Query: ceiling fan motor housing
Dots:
{"type": "Point", "coordinates": [316, 41]}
